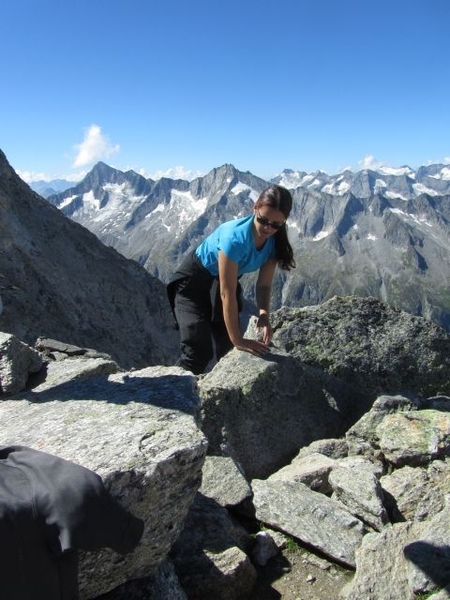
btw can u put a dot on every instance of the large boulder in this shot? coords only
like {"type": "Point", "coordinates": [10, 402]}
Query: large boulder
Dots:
{"type": "Point", "coordinates": [138, 431]}
{"type": "Point", "coordinates": [308, 449]}
{"type": "Point", "coordinates": [261, 411]}
{"type": "Point", "coordinates": [368, 344]}
{"type": "Point", "coordinates": [405, 561]}
{"type": "Point", "coordinates": [17, 362]}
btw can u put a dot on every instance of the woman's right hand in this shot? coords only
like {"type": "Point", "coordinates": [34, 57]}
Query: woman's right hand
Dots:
{"type": "Point", "coordinates": [252, 346]}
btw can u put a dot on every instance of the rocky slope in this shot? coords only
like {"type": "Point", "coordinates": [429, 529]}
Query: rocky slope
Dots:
{"type": "Point", "coordinates": [58, 280]}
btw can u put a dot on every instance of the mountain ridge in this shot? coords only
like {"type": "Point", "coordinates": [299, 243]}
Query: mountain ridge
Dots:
{"type": "Point", "coordinates": [403, 182]}
{"type": "Point", "coordinates": [392, 243]}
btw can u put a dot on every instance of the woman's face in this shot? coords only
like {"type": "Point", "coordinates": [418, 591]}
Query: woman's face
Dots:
{"type": "Point", "coordinates": [267, 221]}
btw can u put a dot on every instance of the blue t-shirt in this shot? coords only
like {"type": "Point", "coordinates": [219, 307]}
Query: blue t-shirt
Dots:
{"type": "Point", "coordinates": [236, 240]}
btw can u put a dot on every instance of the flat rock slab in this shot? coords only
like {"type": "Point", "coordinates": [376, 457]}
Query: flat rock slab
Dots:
{"type": "Point", "coordinates": [311, 517]}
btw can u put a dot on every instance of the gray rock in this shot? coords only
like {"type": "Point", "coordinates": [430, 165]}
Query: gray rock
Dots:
{"type": "Point", "coordinates": [368, 344]}
{"type": "Point", "coordinates": [276, 416]}
{"type": "Point", "coordinates": [362, 437]}
{"type": "Point", "coordinates": [414, 438]}
{"type": "Point", "coordinates": [361, 493]}
{"type": "Point", "coordinates": [375, 467]}
{"type": "Point", "coordinates": [62, 375]}
{"type": "Point", "coordinates": [380, 566]}
{"type": "Point", "coordinates": [138, 432]}
{"type": "Point", "coordinates": [403, 561]}
{"type": "Point", "coordinates": [211, 554]}
{"type": "Point", "coordinates": [261, 411]}
{"type": "Point", "coordinates": [402, 431]}
{"type": "Point", "coordinates": [310, 517]}
{"type": "Point", "coordinates": [56, 350]}
{"type": "Point", "coordinates": [415, 494]}
{"type": "Point", "coordinates": [17, 361]}
{"type": "Point", "coordinates": [224, 482]}
{"type": "Point", "coordinates": [162, 585]}
{"type": "Point", "coordinates": [313, 470]}
{"type": "Point", "coordinates": [265, 548]}
{"type": "Point", "coordinates": [333, 448]}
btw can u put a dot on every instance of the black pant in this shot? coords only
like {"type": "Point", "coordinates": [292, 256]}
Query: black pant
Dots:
{"type": "Point", "coordinates": [195, 298]}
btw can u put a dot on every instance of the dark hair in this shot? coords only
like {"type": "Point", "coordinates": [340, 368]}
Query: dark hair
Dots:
{"type": "Point", "coordinates": [279, 198]}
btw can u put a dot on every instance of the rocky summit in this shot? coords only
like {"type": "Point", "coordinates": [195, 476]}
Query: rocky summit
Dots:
{"type": "Point", "coordinates": [299, 445]}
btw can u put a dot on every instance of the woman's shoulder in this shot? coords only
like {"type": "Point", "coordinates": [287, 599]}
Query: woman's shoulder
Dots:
{"type": "Point", "coordinates": [241, 224]}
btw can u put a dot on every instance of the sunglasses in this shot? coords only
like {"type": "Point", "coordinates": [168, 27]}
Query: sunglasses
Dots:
{"type": "Point", "coordinates": [265, 222]}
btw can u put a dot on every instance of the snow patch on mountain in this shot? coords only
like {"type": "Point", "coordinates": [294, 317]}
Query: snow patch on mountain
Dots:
{"type": "Point", "coordinates": [121, 202]}
{"type": "Point", "coordinates": [398, 172]}
{"type": "Point", "coordinates": [190, 206]}
{"type": "Point", "coordinates": [395, 195]}
{"type": "Point", "coordinates": [90, 202]}
{"type": "Point", "coordinates": [338, 188]}
{"type": "Point", "coordinates": [444, 174]}
{"type": "Point", "coordinates": [419, 188]}
{"type": "Point", "coordinates": [417, 219]}
{"type": "Point", "coordinates": [66, 202]}
{"type": "Point", "coordinates": [160, 208]}
{"type": "Point", "coordinates": [321, 235]}
{"type": "Point", "coordinates": [183, 209]}
{"type": "Point", "coordinates": [242, 187]}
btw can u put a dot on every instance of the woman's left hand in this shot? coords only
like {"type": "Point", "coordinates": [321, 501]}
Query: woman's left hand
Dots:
{"type": "Point", "coordinates": [264, 329]}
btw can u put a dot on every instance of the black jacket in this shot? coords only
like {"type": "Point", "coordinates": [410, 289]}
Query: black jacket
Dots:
{"type": "Point", "coordinates": [49, 509]}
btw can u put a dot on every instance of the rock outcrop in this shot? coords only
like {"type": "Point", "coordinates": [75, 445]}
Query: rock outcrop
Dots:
{"type": "Point", "coordinates": [370, 345]}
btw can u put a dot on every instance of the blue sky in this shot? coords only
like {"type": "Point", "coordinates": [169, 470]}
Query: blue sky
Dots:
{"type": "Point", "coordinates": [154, 85]}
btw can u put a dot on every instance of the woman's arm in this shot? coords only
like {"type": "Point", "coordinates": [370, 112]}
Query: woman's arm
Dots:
{"type": "Point", "coordinates": [228, 277]}
{"type": "Point", "coordinates": [263, 292]}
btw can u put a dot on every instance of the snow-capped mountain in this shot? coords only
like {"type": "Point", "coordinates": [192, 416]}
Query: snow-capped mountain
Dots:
{"type": "Point", "coordinates": [382, 239]}
{"type": "Point", "coordinates": [403, 183]}
{"type": "Point", "coordinates": [154, 222]}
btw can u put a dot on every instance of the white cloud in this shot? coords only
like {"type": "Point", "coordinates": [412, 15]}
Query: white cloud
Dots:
{"type": "Point", "coordinates": [94, 147]}
{"type": "Point", "coordinates": [370, 162]}
{"type": "Point", "coordinates": [29, 176]}
{"type": "Point", "coordinates": [176, 173]}
{"type": "Point", "coordinates": [32, 176]}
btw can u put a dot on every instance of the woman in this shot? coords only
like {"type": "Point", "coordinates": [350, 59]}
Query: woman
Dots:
{"type": "Point", "coordinates": [205, 290]}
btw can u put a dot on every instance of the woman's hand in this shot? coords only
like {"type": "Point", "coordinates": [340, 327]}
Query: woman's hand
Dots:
{"type": "Point", "coordinates": [264, 329]}
{"type": "Point", "coordinates": [252, 346]}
